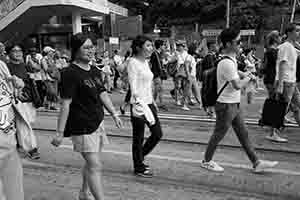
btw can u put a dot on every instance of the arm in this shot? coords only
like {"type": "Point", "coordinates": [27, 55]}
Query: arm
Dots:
{"type": "Point", "coordinates": [132, 79]}
{"type": "Point", "coordinates": [110, 108]}
{"type": "Point", "coordinates": [240, 83]}
{"type": "Point", "coordinates": [61, 121]}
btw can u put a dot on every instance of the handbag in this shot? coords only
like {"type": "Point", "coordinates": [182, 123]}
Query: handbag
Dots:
{"type": "Point", "coordinates": [172, 68]}
{"type": "Point", "coordinates": [182, 72]}
{"type": "Point", "coordinates": [274, 111]}
{"type": "Point", "coordinates": [163, 72]}
{"type": "Point", "coordinates": [30, 93]}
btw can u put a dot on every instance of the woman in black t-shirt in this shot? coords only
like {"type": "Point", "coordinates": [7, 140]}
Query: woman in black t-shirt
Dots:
{"type": "Point", "coordinates": [83, 97]}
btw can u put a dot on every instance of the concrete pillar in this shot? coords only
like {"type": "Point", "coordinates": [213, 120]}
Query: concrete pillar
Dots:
{"type": "Point", "coordinates": [76, 22]}
{"type": "Point", "coordinates": [113, 24]}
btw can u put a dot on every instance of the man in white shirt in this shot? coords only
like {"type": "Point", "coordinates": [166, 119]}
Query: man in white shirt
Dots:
{"type": "Point", "coordinates": [118, 60]}
{"type": "Point", "coordinates": [228, 111]}
{"type": "Point", "coordinates": [286, 72]}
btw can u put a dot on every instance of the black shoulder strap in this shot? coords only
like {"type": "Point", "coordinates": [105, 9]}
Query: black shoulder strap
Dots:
{"type": "Point", "coordinates": [227, 82]}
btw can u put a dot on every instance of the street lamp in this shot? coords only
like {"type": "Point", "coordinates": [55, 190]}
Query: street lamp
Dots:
{"type": "Point", "coordinates": [228, 14]}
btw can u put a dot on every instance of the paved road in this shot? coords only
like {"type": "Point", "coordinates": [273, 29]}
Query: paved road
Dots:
{"type": "Point", "coordinates": [175, 163]}
{"type": "Point", "coordinates": [177, 174]}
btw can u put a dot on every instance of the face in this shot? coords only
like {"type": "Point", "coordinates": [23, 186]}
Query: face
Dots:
{"type": "Point", "coordinates": [16, 53]}
{"type": "Point", "coordinates": [295, 33]}
{"type": "Point", "coordinates": [105, 54]}
{"type": "Point", "coordinates": [181, 47]}
{"type": "Point", "coordinates": [147, 49]}
{"type": "Point", "coordinates": [235, 45]}
{"type": "Point", "coordinates": [85, 51]}
{"type": "Point", "coordinates": [2, 49]}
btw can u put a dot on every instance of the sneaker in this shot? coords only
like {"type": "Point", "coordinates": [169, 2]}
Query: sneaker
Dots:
{"type": "Point", "coordinates": [34, 154]}
{"type": "Point", "coordinates": [178, 103]}
{"type": "Point", "coordinates": [212, 166]}
{"type": "Point", "coordinates": [146, 166]}
{"type": "Point", "coordinates": [289, 120]}
{"type": "Point", "coordinates": [276, 138]}
{"type": "Point", "coordinates": [163, 107]}
{"type": "Point", "coordinates": [85, 196]}
{"type": "Point", "coordinates": [263, 165]}
{"type": "Point", "coordinates": [185, 108]}
{"type": "Point", "coordinates": [172, 93]}
{"type": "Point", "coordinates": [122, 110]}
{"type": "Point", "coordinates": [146, 173]}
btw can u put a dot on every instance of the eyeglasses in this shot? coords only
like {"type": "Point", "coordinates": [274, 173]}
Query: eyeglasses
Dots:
{"type": "Point", "coordinates": [16, 50]}
{"type": "Point", "coordinates": [88, 47]}
{"type": "Point", "coordinates": [238, 42]}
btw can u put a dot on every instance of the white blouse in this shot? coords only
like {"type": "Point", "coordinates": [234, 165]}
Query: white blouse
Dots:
{"type": "Point", "coordinates": [140, 80]}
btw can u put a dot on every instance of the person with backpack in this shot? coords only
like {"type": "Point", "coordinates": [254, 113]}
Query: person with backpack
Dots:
{"type": "Point", "coordinates": [209, 61]}
{"type": "Point", "coordinates": [227, 104]}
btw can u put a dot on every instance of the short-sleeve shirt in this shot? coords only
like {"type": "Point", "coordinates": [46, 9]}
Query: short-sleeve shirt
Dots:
{"type": "Point", "coordinates": [86, 109]}
{"type": "Point", "coordinates": [193, 64]}
{"type": "Point", "coordinates": [287, 52]}
{"type": "Point", "coordinates": [227, 71]}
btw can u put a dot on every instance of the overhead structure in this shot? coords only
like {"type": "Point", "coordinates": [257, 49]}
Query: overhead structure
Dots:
{"type": "Point", "coordinates": [18, 18]}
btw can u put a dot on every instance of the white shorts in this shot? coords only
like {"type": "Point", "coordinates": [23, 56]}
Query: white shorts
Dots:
{"type": "Point", "coordinates": [91, 143]}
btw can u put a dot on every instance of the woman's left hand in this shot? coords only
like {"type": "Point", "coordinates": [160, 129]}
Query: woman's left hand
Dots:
{"type": "Point", "coordinates": [17, 82]}
{"type": "Point", "coordinates": [117, 121]}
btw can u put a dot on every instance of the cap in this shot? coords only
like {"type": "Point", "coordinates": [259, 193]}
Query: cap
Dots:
{"type": "Point", "coordinates": [48, 49]}
{"type": "Point", "coordinates": [180, 42]}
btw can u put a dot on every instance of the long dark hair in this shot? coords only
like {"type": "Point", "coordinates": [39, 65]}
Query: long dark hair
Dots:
{"type": "Point", "coordinates": [138, 43]}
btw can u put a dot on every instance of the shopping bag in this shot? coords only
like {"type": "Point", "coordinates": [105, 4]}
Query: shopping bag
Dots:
{"type": "Point", "coordinates": [274, 111]}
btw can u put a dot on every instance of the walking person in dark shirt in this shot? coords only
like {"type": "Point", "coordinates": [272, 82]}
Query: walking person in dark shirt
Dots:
{"type": "Point", "coordinates": [83, 97]}
{"type": "Point", "coordinates": [17, 67]}
{"type": "Point", "coordinates": [156, 68]}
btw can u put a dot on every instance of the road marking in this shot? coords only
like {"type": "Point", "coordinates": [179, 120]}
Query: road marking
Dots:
{"type": "Point", "coordinates": [187, 160]}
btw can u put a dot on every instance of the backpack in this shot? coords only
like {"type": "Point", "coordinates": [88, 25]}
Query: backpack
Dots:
{"type": "Point", "coordinates": [209, 90]}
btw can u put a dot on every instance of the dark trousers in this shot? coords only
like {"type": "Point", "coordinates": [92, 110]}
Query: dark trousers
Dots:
{"type": "Point", "coordinates": [116, 77]}
{"type": "Point", "coordinates": [229, 114]}
{"type": "Point", "coordinates": [128, 96]}
{"type": "Point", "coordinates": [139, 149]}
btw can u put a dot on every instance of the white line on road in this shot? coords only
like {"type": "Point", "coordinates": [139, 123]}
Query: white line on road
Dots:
{"type": "Point", "coordinates": [186, 160]}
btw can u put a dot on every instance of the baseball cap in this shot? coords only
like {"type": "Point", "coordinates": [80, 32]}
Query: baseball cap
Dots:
{"type": "Point", "coordinates": [48, 49]}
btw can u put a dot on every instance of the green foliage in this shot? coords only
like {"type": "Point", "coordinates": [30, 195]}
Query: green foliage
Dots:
{"type": "Point", "coordinates": [247, 14]}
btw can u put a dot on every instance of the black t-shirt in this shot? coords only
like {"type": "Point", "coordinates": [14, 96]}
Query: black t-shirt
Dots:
{"type": "Point", "coordinates": [155, 64]}
{"type": "Point", "coordinates": [86, 110]}
{"type": "Point", "coordinates": [18, 69]}
{"type": "Point", "coordinates": [269, 67]}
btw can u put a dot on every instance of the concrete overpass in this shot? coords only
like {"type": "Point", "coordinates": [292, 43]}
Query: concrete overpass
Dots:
{"type": "Point", "coordinates": [19, 18]}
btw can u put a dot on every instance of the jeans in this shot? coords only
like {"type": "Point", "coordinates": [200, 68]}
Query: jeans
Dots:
{"type": "Point", "coordinates": [158, 89]}
{"type": "Point", "coordinates": [139, 151]}
{"type": "Point", "coordinates": [229, 114]}
{"type": "Point", "coordinates": [292, 96]}
{"type": "Point", "coordinates": [195, 89]}
{"type": "Point", "coordinates": [11, 177]}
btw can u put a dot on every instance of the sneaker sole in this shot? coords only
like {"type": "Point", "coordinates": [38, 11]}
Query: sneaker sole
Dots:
{"type": "Point", "coordinates": [143, 175]}
{"type": "Point", "coordinates": [277, 141]}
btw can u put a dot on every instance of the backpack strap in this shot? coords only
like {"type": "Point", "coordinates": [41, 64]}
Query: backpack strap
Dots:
{"type": "Point", "coordinates": [227, 82]}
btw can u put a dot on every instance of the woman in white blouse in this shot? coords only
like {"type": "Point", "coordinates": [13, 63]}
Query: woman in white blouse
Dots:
{"type": "Point", "coordinates": [143, 109]}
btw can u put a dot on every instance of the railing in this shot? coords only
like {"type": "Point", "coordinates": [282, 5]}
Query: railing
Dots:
{"type": "Point", "coordinates": [6, 6]}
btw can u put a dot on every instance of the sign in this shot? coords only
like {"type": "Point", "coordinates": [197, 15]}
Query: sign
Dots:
{"type": "Point", "coordinates": [211, 32]}
{"type": "Point", "coordinates": [216, 32]}
{"type": "Point", "coordinates": [113, 40]}
{"type": "Point", "coordinates": [247, 32]}
{"type": "Point", "coordinates": [130, 27]}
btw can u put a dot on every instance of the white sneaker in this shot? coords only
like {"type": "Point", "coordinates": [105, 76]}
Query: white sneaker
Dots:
{"type": "Point", "coordinates": [276, 138]}
{"type": "Point", "coordinates": [212, 166]}
{"type": "Point", "coordinates": [178, 103]}
{"type": "Point", "coordinates": [185, 108]}
{"type": "Point", "coordinates": [263, 165]}
{"type": "Point", "coordinates": [85, 196]}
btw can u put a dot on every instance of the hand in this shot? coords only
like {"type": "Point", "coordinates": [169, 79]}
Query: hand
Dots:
{"type": "Point", "coordinates": [57, 140]}
{"type": "Point", "coordinates": [17, 82]}
{"type": "Point", "coordinates": [117, 121]}
{"type": "Point", "coordinates": [279, 88]}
